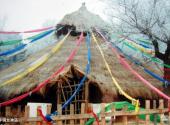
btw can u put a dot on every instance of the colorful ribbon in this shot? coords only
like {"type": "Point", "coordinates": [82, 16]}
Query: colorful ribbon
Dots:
{"type": "Point", "coordinates": [20, 47]}
{"type": "Point", "coordinates": [134, 101]}
{"type": "Point", "coordinates": [42, 84]}
{"type": "Point", "coordinates": [37, 64]}
{"type": "Point", "coordinates": [126, 65]}
{"type": "Point", "coordinates": [29, 31]}
{"type": "Point", "coordinates": [49, 116]}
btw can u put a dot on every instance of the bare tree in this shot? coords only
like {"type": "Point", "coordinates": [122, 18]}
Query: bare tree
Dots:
{"type": "Point", "coordinates": [148, 17]}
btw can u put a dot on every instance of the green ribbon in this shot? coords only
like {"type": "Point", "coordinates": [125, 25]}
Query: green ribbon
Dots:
{"type": "Point", "coordinates": [153, 59]}
{"type": "Point", "coordinates": [13, 42]}
{"type": "Point", "coordinates": [119, 106]}
{"type": "Point", "coordinates": [145, 41]}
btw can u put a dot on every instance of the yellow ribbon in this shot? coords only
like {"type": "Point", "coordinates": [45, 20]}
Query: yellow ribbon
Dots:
{"type": "Point", "coordinates": [114, 80]}
{"type": "Point", "coordinates": [37, 64]}
{"type": "Point", "coordinates": [144, 50]}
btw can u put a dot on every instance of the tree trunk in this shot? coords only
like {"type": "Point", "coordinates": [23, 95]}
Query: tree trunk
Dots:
{"type": "Point", "coordinates": [166, 69]}
{"type": "Point", "coordinates": [166, 60]}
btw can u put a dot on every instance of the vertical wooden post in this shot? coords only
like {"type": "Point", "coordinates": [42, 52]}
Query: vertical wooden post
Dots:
{"type": "Point", "coordinates": [103, 114]}
{"type": "Point", "coordinates": [59, 109]}
{"type": "Point", "coordinates": [155, 115]}
{"type": "Point", "coordinates": [19, 111]}
{"type": "Point", "coordinates": [72, 112]}
{"type": "Point", "coordinates": [113, 118]}
{"type": "Point", "coordinates": [7, 114]}
{"type": "Point", "coordinates": [26, 115]}
{"type": "Point", "coordinates": [38, 116]}
{"type": "Point", "coordinates": [86, 95]}
{"type": "Point", "coordinates": [147, 107]}
{"type": "Point", "coordinates": [169, 112]}
{"type": "Point", "coordinates": [82, 112]}
{"type": "Point", "coordinates": [49, 109]}
{"type": "Point", "coordinates": [161, 106]}
{"type": "Point", "coordinates": [125, 120]}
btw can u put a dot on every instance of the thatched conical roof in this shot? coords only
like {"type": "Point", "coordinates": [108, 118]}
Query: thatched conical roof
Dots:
{"type": "Point", "coordinates": [83, 19]}
{"type": "Point", "coordinates": [98, 73]}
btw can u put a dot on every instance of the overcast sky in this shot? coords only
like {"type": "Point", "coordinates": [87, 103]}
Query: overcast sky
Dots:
{"type": "Point", "coordinates": [31, 14]}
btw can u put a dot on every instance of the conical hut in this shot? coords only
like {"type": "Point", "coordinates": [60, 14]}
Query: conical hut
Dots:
{"type": "Point", "coordinates": [81, 20]}
{"type": "Point", "coordinates": [98, 86]}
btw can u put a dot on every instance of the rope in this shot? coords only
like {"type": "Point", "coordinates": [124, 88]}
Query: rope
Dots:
{"type": "Point", "coordinates": [37, 64]}
{"type": "Point", "coordinates": [28, 31]}
{"type": "Point", "coordinates": [42, 84]}
{"type": "Point", "coordinates": [134, 101]}
{"type": "Point", "coordinates": [49, 116]}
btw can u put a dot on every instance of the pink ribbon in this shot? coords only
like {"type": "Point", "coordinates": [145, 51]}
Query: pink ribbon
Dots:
{"type": "Point", "coordinates": [29, 31]}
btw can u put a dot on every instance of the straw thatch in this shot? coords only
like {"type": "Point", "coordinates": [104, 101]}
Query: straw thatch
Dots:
{"type": "Point", "coordinates": [98, 76]}
{"type": "Point", "coordinates": [98, 73]}
{"type": "Point", "coordinates": [83, 20]}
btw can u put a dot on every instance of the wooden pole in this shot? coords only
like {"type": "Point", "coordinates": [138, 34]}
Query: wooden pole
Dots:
{"type": "Point", "coordinates": [102, 114]}
{"type": "Point", "coordinates": [155, 115]}
{"type": "Point", "coordinates": [86, 95]}
{"type": "Point", "coordinates": [161, 106]}
{"type": "Point", "coordinates": [26, 115]}
{"type": "Point", "coordinates": [82, 112]}
{"type": "Point", "coordinates": [7, 114]}
{"type": "Point", "coordinates": [38, 115]}
{"type": "Point", "coordinates": [125, 120]}
{"type": "Point", "coordinates": [147, 107]}
{"type": "Point", "coordinates": [59, 109]}
{"type": "Point", "coordinates": [113, 118]}
{"type": "Point", "coordinates": [72, 112]}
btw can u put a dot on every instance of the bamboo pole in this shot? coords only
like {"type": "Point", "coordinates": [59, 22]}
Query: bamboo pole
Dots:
{"type": "Point", "coordinates": [102, 114]}
{"type": "Point", "coordinates": [125, 119]}
{"type": "Point", "coordinates": [147, 106]}
{"type": "Point", "coordinates": [59, 108]}
{"type": "Point", "coordinates": [72, 112]}
{"type": "Point", "coordinates": [26, 115]}
{"type": "Point", "coordinates": [82, 112]}
{"type": "Point", "coordinates": [161, 106]}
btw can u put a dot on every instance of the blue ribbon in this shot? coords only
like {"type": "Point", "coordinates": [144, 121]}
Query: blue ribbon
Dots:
{"type": "Point", "coordinates": [82, 81]}
{"type": "Point", "coordinates": [157, 77]}
{"type": "Point", "coordinates": [85, 76]}
{"type": "Point", "coordinates": [166, 83]}
{"type": "Point", "coordinates": [20, 47]}
{"type": "Point", "coordinates": [41, 36]}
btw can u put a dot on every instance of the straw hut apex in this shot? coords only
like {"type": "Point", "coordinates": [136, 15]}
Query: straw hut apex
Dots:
{"type": "Point", "coordinates": [81, 20]}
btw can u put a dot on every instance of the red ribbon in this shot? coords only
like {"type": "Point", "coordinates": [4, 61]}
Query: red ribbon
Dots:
{"type": "Point", "coordinates": [90, 111]}
{"type": "Point", "coordinates": [43, 117]}
{"type": "Point", "coordinates": [42, 84]}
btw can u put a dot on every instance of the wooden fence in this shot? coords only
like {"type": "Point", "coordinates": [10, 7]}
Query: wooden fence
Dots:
{"type": "Point", "coordinates": [121, 117]}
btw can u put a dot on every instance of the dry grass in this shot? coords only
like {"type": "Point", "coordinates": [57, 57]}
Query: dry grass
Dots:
{"type": "Point", "coordinates": [98, 72]}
